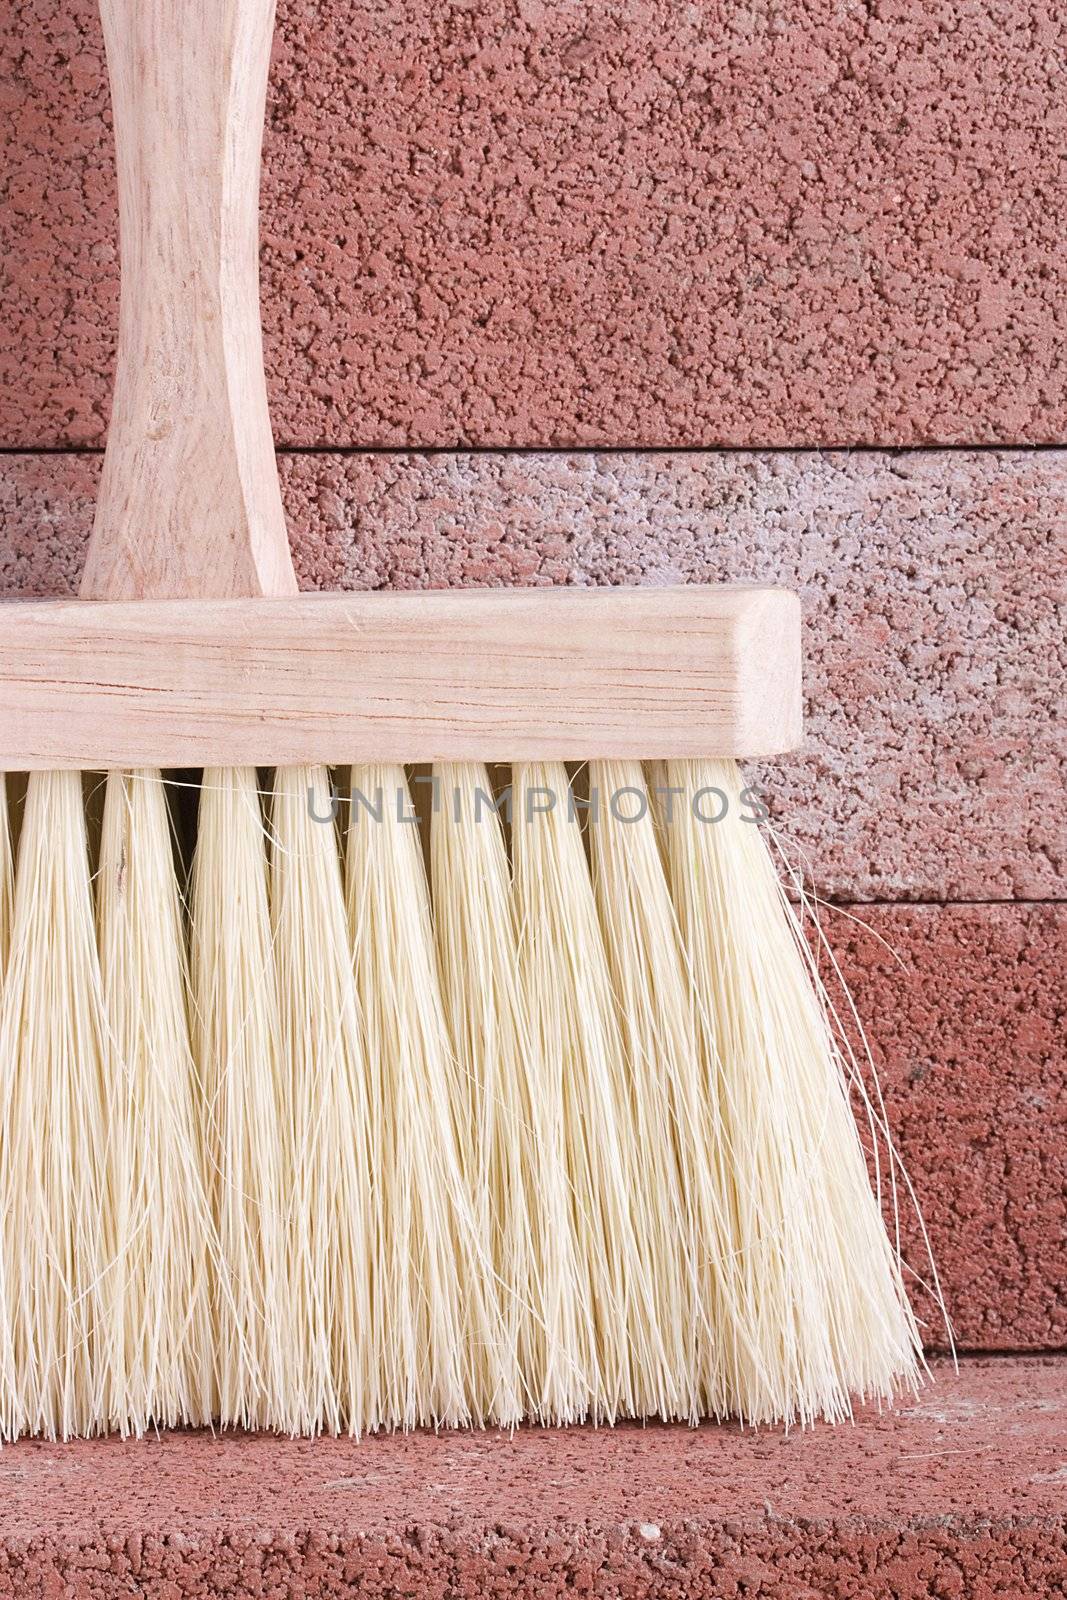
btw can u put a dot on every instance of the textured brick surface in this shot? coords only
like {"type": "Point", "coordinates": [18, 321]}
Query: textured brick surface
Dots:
{"type": "Point", "coordinates": [965, 1011]}
{"type": "Point", "coordinates": [617, 221]}
{"type": "Point", "coordinates": [932, 583]}
{"type": "Point", "coordinates": [961, 1493]}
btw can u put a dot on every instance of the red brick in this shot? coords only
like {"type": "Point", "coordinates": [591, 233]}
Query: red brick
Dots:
{"type": "Point", "coordinates": [957, 1494]}
{"type": "Point", "coordinates": [520, 222]}
{"type": "Point", "coordinates": [934, 655]}
{"type": "Point", "coordinates": [965, 1011]}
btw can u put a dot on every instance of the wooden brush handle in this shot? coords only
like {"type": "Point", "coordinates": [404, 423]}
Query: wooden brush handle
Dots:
{"type": "Point", "coordinates": [189, 504]}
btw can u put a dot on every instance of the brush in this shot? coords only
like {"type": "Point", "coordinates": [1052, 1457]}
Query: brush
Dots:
{"type": "Point", "coordinates": [554, 1126]}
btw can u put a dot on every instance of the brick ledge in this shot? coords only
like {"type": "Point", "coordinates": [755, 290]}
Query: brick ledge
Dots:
{"type": "Point", "coordinates": [961, 1492]}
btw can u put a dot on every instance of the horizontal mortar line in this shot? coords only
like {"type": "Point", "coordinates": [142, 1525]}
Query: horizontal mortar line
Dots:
{"type": "Point", "coordinates": [288, 449]}
{"type": "Point", "coordinates": [51, 450]}
{"type": "Point", "coordinates": [846, 902]}
{"type": "Point", "coordinates": [658, 449]}
{"type": "Point", "coordinates": [976, 1353]}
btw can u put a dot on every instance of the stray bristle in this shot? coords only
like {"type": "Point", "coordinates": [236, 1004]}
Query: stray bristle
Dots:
{"type": "Point", "coordinates": [55, 1144]}
{"type": "Point", "coordinates": [437, 1326]}
{"type": "Point", "coordinates": [237, 1039]}
{"type": "Point", "coordinates": [156, 1343]}
{"type": "Point", "coordinates": [578, 1051]}
{"type": "Point", "coordinates": [823, 1313]}
{"type": "Point", "coordinates": [326, 1123]}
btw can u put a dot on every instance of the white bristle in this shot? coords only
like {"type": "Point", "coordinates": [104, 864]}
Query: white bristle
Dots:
{"type": "Point", "coordinates": [55, 1145]}
{"type": "Point", "coordinates": [7, 876]}
{"type": "Point", "coordinates": [437, 1329]}
{"type": "Point", "coordinates": [578, 1049]}
{"type": "Point", "coordinates": [512, 1140]}
{"type": "Point", "coordinates": [158, 1334]}
{"type": "Point", "coordinates": [10, 1410]}
{"type": "Point", "coordinates": [237, 1039]}
{"type": "Point", "coordinates": [573, 1142]}
{"type": "Point", "coordinates": [680, 1193]}
{"type": "Point", "coordinates": [811, 1269]}
{"type": "Point", "coordinates": [330, 1177]}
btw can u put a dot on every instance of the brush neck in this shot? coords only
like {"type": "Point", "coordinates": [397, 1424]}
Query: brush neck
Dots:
{"type": "Point", "coordinates": [189, 504]}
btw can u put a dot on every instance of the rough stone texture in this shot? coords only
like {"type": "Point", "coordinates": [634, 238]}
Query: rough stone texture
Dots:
{"type": "Point", "coordinates": [960, 1493]}
{"type": "Point", "coordinates": [966, 1015]}
{"type": "Point", "coordinates": [613, 221]}
{"type": "Point", "coordinates": [932, 582]}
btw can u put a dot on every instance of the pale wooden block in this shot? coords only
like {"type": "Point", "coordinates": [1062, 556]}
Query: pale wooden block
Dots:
{"type": "Point", "coordinates": [490, 674]}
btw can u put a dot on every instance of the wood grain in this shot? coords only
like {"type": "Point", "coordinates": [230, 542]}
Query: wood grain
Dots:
{"type": "Point", "coordinates": [189, 502]}
{"type": "Point", "coordinates": [491, 674]}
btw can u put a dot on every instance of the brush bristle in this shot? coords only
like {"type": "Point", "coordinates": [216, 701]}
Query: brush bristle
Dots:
{"type": "Point", "coordinates": [579, 1052]}
{"type": "Point", "coordinates": [569, 1137]}
{"type": "Point", "coordinates": [157, 1337]}
{"type": "Point", "coordinates": [237, 1042]}
{"type": "Point", "coordinates": [512, 1137]}
{"type": "Point", "coordinates": [822, 1304]}
{"type": "Point", "coordinates": [680, 1187]}
{"type": "Point", "coordinates": [10, 1407]}
{"type": "Point", "coordinates": [326, 1125]}
{"type": "Point", "coordinates": [55, 1144]}
{"type": "Point", "coordinates": [438, 1329]}
{"type": "Point", "coordinates": [7, 877]}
